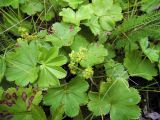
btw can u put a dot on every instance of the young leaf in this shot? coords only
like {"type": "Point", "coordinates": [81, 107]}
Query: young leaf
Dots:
{"type": "Point", "coordinates": [79, 42]}
{"type": "Point", "coordinates": [106, 23]}
{"type": "Point", "coordinates": [107, 8]}
{"type": "Point", "coordinates": [115, 13]}
{"type": "Point", "coordinates": [115, 71]}
{"type": "Point", "coordinates": [74, 3]}
{"type": "Point", "coordinates": [94, 55]}
{"type": "Point", "coordinates": [151, 53]}
{"type": "Point", "coordinates": [121, 104]}
{"type": "Point", "coordinates": [2, 67]}
{"type": "Point", "coordinates": [70, 96]}
{"type": "Point", "coordinates": [101, 6]}
{"type": "Point", "coordinates": [36, 6]}
{"type": "Point", "coordinates": [83, 13]}
{"type": "Point", "coordinates": [21, 64]}
{"type": "Point", "coordinates": [63, 34]}
{"type": "Point", "coordinates": [139, 67]}
{"type": "Point", "coordinates": [94, 25]}
{"type": "Point", "coordinates": [50, 68]}
{"type": "Point", "coordinates": [105, 15]}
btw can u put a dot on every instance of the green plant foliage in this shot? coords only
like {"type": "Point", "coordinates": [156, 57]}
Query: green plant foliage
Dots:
{"type": "Point", "coordinates": [74, 3]}
{"type": "Point", "coordinates": [13, 3]}
{"type": "Point", "coordinates": [106, 23]}
{"type": "Point", "coordinates": [57, 114]}
{"type": "Point", "coordinates": [1, 92]}
{"type": "Point", "coordinates": [135, 28]}
{"type": "Point", "coordinates": [151, 53]}
{"type": "Point", "coordinates": [105, 15]}
{"type": "Point", "coordinates": [70, 96]}
{"type": "Point", "coordinates": [88, 72]}
{"type": "Point", "coordinates": [111, 10]}
{"type": "Point", "coordinates": [14, 22]}
{"type": "Point", "coordinates": [36, 113]}
{"type": "Point", "coordinates": [98, 5]}
{"type": "Point", "coordinates": [121, 104]}
{"type": "Point", "coordinates": [111, 51]}
{"type": "Point", "coordinates": [22, 104]}
{"type": "Point", "coordinates": [36, 6]}
{"type": "Point", "coordinates": [125, 4]}
{"type": "Point", "coordinates": [5, 42]}
{"type": "Point", "coordinates": [28, 66]}
{"type": "Point", "coordinates": [76, 59]}
{"type": "Point", "coordinates": [63, 34]}
{"type": "Point", "coordinates": [58, 4]}
{"type": "Point", "coordinates": [84, 56]}
{"type": "Point", "coordinates": [2, 67]}
{"type": "Point", "coordinates": [115, 71]}
{"type": "Point", "coordinates": [83, 13]}
{"type": "Point", "coordinates": [79, 42]}
{"type": "Point", "coordinates": [139, 67]}
{"type": "Point", "coordinates": [94, 25]}
{"type": "Point", "coordinates": [150, 5]}
{"type": "Point", "coordinates": [48, 13]}
{"type": "Point", "coordinates": [94, 55]}
{"type": "Point", "coordinates": [50, 70]}
{"type": "Point", "coordinates": [21, 64]}
{"type": "Point", "coordinates": [87, 56]}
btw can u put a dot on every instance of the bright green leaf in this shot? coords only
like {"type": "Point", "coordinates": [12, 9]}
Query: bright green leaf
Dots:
{"type": "Point", "coordinates": [101, 6]}
{"type": "Point", "coordinates": [84, 12]}
{"type": "Point", "coordinates": [94, 55]}
{"type": "Point", "coordinates": [74, 3]}
{"type": "Point", "coordinates": [94, 25]}
{"type": "Point", "coordinates": [50, 68]}
{"type": "Point", "coordinates": [79, 42]}
{"type": "Point", "coordinates": [121, 104]}
{"type": "Point", "coordinates": [63, 34]}
{"type": "Point", "coordinates": [151, 53]}
{"type": "Point", "coordinates": [21, 64]}
{"type": "Point", "coordinates": [115, 13]}
{"type": "Point", "coordinates": [115, 71]}
{"type": "Point", "coordinates": [37, 98]}
{"type": "Point", "coordinates": [107, 23]}
{"type": "Point", "coordinates": [70, 96]}
{"type": "Point", "coordinates": [106, 14]}
{"type": "Point", "coordinates": [31, 7]}
{"type": "Point", "coordinates": [139, 67]}
{"type": "Point", "coordinates": [58, 113]}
